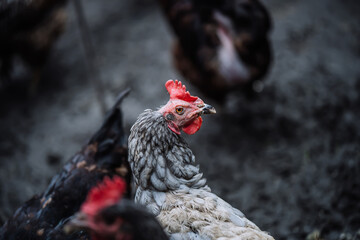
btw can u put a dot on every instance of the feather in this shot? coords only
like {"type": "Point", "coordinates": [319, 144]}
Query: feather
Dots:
{"type": "Point", "coordinates": [171, 181]}
{"type": "Point", "coordinates": [237, 220]}
{"type": "Point", "coordinates": [157, 183]}
{"type": "Point", "coordinates": [160, 168]}
{"type": "Point", "coordinates": [159, 198]}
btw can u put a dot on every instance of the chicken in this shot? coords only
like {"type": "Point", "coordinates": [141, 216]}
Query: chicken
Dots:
{"type": "Point", "coordinates": [170, 184]}
{"type": "Point", "coordinates": [28, 30]}
{"type": "Point", "coordinates": [221, 45]}
{"type": "Point", "coordinates": [43, 216]}
{"type": "Point", "coordinates": [109, 217]}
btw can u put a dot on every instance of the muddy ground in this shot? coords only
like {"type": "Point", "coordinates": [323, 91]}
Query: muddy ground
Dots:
{"type": "Point", "coordinates": [289, 159]}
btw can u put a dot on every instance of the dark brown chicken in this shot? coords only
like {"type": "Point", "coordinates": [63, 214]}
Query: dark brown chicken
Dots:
{"type": "Point", "coordinates": [28, 30]}
{"type": "Point", "coordinates": [43, 217]}
{"type": "Point", "coordinates": [221, 45]}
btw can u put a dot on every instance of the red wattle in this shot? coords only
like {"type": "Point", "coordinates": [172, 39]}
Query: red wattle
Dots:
{"type": "Point", "coordinates": [193, 127]}
{"type": "Point", "coordinates": [174, 128]}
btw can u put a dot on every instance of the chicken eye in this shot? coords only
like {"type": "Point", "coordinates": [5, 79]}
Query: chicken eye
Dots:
{"type": "Point", "coordinates": [179, 110]}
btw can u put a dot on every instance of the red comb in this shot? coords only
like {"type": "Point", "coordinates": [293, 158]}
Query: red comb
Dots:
{"type": "Point", "coordinates": [178, 91]}
{"type": "Point", "coordinates": [106, 193]}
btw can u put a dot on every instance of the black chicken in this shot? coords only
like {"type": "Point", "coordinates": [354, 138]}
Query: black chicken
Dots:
{"type": "Point", "coordinates": [221, 45]}
{"type": "Point", "coordinates": [109, 217]}
{"type": "Point", "coordinates": [43, 217]}
{"type": "Point", "coordinates": [28, 30]}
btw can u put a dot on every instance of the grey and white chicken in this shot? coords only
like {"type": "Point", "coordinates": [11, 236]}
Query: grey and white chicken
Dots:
{"type": "Point", "coordinates": [168, 181]}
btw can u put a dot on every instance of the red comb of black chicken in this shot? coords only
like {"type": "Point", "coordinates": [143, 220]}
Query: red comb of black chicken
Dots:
{"type": "Point", "coordinates": [43, 217]}
{"type": "Point", "coordinates": [106, 215]}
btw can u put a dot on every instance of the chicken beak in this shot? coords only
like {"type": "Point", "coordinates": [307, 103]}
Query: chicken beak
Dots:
{"type": "Point", "coordinates": [79, 222]}
{"type": "Point", "coordinates": [208, 109]}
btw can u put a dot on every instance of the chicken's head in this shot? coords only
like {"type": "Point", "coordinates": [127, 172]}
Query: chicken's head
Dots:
{"type": "Point", "coordinates": [183, 111]}
{"type": "Point", "coordinates": [107, 194]}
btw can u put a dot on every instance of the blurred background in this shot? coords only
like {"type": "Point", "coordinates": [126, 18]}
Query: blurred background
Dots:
{"type": "Point", "coordinates": [284, 147]}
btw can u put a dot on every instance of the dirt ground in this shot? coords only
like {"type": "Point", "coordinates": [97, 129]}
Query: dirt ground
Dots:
{"type": "Point", "coordinates": [289, 159]}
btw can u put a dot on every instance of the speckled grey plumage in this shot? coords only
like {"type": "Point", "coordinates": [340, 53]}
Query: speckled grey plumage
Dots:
{"type": "Point", "coordinates": [172, 187]}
